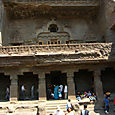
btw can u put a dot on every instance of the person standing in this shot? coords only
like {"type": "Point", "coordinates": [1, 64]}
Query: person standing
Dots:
{"type": "Point", "coordinates": [60, 93]}
{"type": "Point", "coordinates": [32, 92]}
{"type": "Point", "coordinates": [61, 87]}
{"type": "Point", "coordinates": [69, 105]}
{"type": "Point", "coordinates": [7, 94]}
{"type": "Point", "coordinates": [107, 105]}
{"type": "Point", "coordinates": [56, 92]}
{"type": "Point", "coordinates": [85, 111]}
{"type": "Point", "coordinates": [65, 92]}
{"type": "Point", "coordinates": [23, 92]}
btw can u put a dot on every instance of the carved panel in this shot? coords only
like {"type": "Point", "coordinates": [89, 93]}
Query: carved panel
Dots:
{"type": "Point", "coordinates": [61, 53]}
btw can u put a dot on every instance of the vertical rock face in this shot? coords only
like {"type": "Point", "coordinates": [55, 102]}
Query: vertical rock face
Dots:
{"type": "Point", "coordinates": [1, 12]}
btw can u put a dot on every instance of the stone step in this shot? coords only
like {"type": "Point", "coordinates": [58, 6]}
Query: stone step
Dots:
{"type": "Point", "coordinates": [62, 106]}
{"type": "Point", "coordinates": [55, 105]}
{"type": "Point", "coordinates": [51, 107]}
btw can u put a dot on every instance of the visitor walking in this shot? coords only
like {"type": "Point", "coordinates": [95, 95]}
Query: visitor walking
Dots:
{"type": "Point", "coordinates": [32, 92]}
{"type": "Point", "coordinates": [114, 104]}
{"type": "Point", "coordinates": [85, 111]}
{"type": "Point", "coordinates": [107, 105]}
{"type": "Point", "coordinates": [69, 105]}
{"type": "Point", "coordinates": [7, 94]}
{"type": "Point", "coordinates": [23, 92]}
{"type": "Point", "coordinates": [65, 92]}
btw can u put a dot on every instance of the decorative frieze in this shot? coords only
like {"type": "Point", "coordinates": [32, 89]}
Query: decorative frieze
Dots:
{"type": "Point", "coordinates": [83, 51]}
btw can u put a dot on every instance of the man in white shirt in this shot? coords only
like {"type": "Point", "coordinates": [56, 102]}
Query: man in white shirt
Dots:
{"type": "Point", "coordinates": [65, 92]}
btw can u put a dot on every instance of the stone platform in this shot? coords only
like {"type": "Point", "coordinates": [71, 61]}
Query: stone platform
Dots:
{"type": "Point", "coordinates": [49, 107]}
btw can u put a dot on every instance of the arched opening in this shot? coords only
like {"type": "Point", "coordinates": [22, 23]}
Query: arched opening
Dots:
{"type": "Point", "coordinates": [29, 81]}
{"type": "Point", "coordinates": [53, 28]}
{"type": "Point", "coordinates": [55, 81]}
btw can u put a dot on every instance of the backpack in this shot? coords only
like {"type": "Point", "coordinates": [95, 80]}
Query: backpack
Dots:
{"type": "Point", "coordinates": [86, 112]}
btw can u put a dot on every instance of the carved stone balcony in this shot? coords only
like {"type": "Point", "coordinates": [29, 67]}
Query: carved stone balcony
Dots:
{"type": "Point", "coordinates": [81, 52]}
{"type": "Point", "coordinates": [59, 2]}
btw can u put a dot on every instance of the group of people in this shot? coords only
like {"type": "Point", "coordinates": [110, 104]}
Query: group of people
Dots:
{"type": "Point", "coordinates": [91, 96]}
{"type": "Point", "coordinates": [23, 90]}
{"type": "Point", "coordinates": [70, 110]}
{"type": "Point", "coordinates": [57, 92]}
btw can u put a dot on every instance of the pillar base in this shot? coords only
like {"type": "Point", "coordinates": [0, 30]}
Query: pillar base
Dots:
{"type": "Point", "coordinates": [42, 108]}
{"type": "Point", "coordinates": [13, 100]}
{"type": "Point", "coordinates": [72, 97]}
{"type": "Point", "coordinates": [99, 105]}
{"type": "Point", "coordinates": [42, 99]}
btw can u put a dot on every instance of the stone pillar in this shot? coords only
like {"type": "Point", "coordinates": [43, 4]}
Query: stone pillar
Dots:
{"type": "Point", "coordinates": [42, 87]}
{"type": "Point", "coordinates": [1, 20]}
{"type": "Point", "coordinates": [13, 87]}
{"type": "Point", "coordinates": [98, 89]}
{"type": "Point", "coordinates": [71, 85]}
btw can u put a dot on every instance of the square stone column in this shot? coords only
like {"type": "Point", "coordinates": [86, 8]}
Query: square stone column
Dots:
{"type": "Point", "coordinates": [98, 89]}
{"type": "Point", "coordinates": [42, 86]}
{"type": "Point", "coordinates": [1, 20]}
{"type": "Point", "coordinates": [71, 85]}
{"type": "Point", "coordinates": [13, 87]}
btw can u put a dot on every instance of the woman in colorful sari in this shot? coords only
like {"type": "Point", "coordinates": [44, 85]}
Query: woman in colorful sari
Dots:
{"type": "Point", "coordinates": [56, 92]}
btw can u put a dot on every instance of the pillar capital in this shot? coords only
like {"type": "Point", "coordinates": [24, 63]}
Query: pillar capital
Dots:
{"type": "Point", "coordinates": [41, 75]}
{"type": "Point", "coordinates": [97, 72]}
{"type": "Point", "coordinates": [70, 74]}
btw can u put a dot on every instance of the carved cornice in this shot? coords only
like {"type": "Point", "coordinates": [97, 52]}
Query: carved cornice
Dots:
{"type": "Point", "coordinates": [21, 11]}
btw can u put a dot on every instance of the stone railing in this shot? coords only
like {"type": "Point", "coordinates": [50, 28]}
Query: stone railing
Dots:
{"type": "Point", "coordinates": [48, 0]}
{"type": "Point", "coordinates": [80, 51]}
{"type": "Point", "coordinates": [55, 1]}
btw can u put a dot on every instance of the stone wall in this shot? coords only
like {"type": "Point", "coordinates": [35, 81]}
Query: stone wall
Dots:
{"type": "Point", "coordinates": [26, 31]}
{"type": "Point", "coordinates": [105, 14]}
